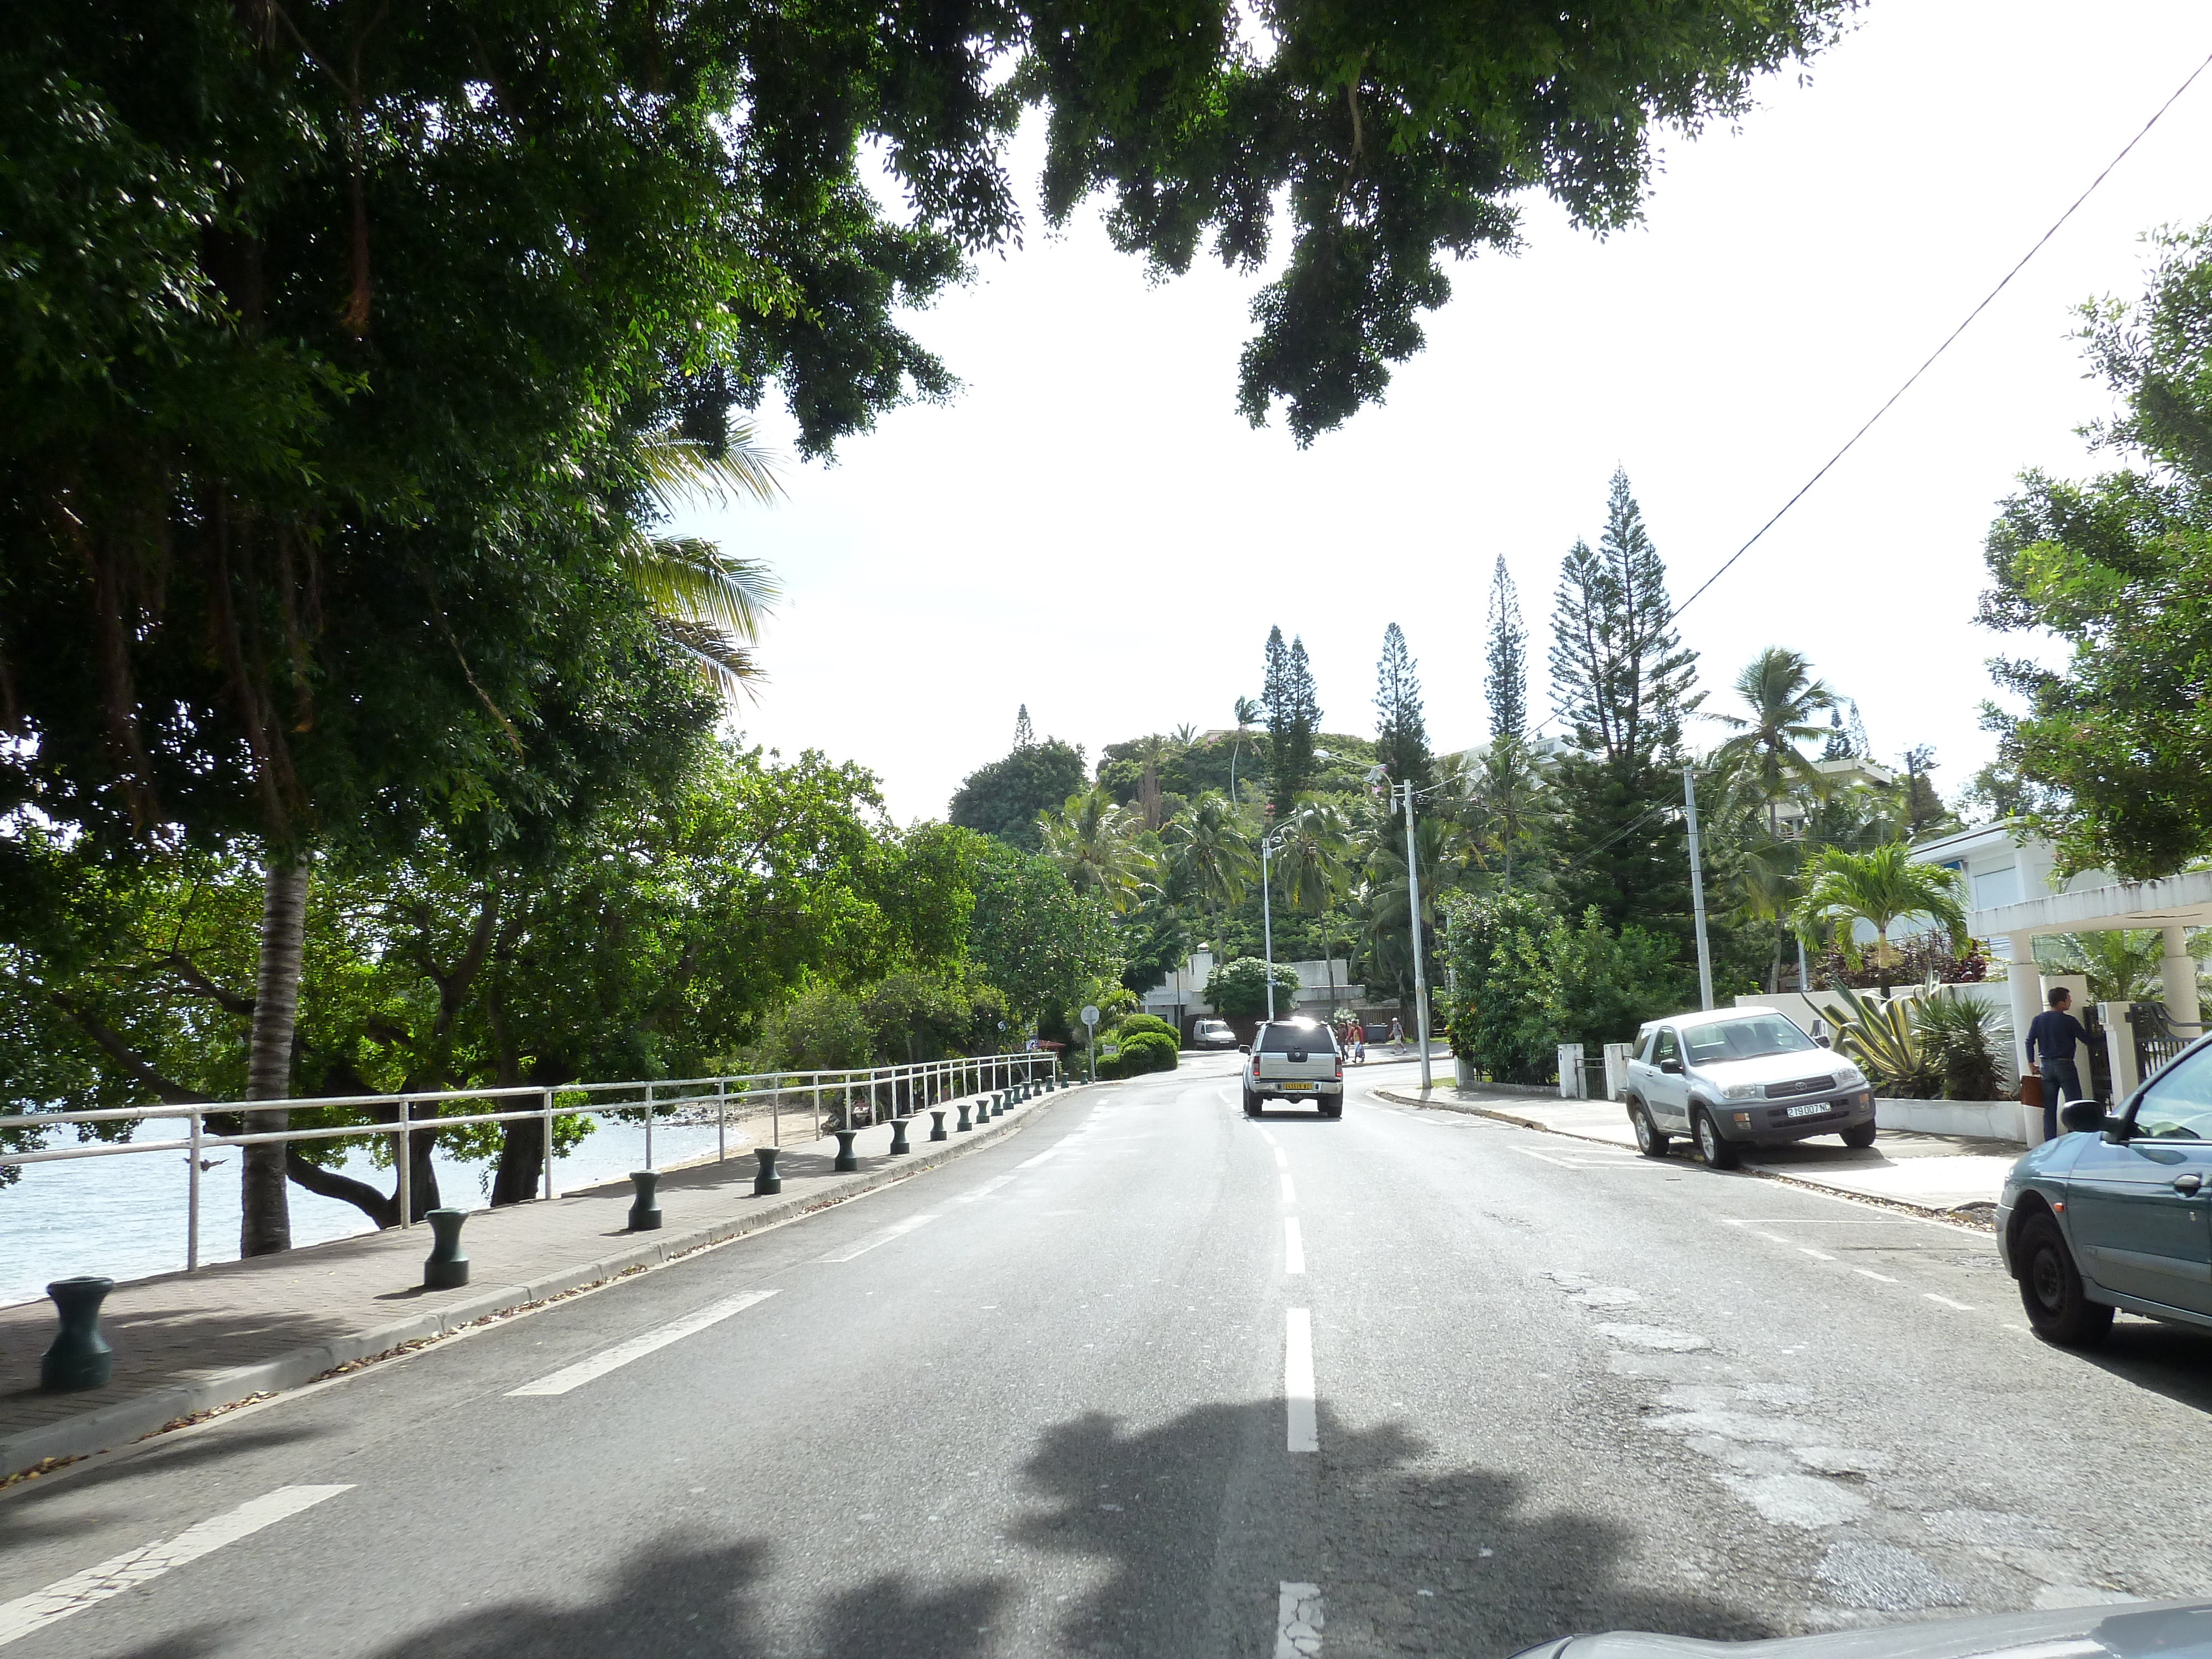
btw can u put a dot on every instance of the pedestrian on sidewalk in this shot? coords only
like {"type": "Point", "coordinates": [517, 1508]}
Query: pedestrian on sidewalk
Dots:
{"type": "Point", "coordinates": [2052, 1036]}
{"type": "Point", "coordinates": [1397, 1033]}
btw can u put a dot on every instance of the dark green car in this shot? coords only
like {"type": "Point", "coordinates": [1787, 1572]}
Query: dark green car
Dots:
{"type": "Point", "coordinates": [2118, 1213]}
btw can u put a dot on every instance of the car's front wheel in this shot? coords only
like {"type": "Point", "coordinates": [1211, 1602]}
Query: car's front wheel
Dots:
{"type": "Point", "coordinates": [1860, 1135]}
{"type": "Point", "coordinates": [1649, 1140]}
{"type": "Point", "coordinates": [2050, 1289]}
{"type": "Point", "coordinates": [1719, 1151]}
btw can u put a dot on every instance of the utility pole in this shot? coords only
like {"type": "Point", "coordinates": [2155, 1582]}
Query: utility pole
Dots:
{"type": "Point", "coordinates": [1697, 891]}
{"type": "Point", "coordinates": [1413, 899]}
{"type": "Point", "coordinates": [1267, 924]}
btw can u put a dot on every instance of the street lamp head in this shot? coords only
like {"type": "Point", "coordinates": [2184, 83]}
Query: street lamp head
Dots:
{"type": "Point", "coordinates": [1377, 772]}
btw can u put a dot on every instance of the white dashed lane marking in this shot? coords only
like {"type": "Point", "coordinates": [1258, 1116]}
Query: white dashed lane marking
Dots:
{"type": "Point", "coordinates": [1298, 1620]}
{"type": "Point", "coordinates": [1301, 1422]}
{"type": "Point", "coordinates": [1290, 1193]}
{"type": "Point", "coordinates": [1962, 1306]}
{"type": "Point", "coordinates": [574, 1376]}
{"type": "Point", "coordinates": [1294, 1247]}
{"type": "Point", "coordinates": [30, 1614]}
{"type": "Point", "coordinates": [1869, 1272]}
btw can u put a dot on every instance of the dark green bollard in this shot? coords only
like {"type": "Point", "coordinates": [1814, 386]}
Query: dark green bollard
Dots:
{"type": "Point", "coordinates": [898, 1135]}
{"type": "Point", "coordinates": [768, 1181]}
{"type": "Point", "coordinates": [937, 1125]}
{"type": "Point", "coordinates": [846, 1163]}
{"type": "Point", "coordinates": [445, 1268]}
{"type": "Point", "coordinates": [986, 1107]}
{"type": "Point", "coordinates": [645, 1208]}
{"type": "Point", "coordinates": [80, 1357]}
{"type": "Point", "coordinates": [964, 1124]}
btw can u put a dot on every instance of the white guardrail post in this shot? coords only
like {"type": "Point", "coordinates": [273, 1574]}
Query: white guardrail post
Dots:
{"type": "Point", "coordinates": [192, 1198]}
{"type": "Point", "coordinates": [545, 1116]}
{"type": "Point", "coordinates": [403, 1155]}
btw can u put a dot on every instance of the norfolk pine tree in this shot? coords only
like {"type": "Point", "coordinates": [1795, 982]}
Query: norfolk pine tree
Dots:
{"type": "Point", "coordinates": [1621, 683]}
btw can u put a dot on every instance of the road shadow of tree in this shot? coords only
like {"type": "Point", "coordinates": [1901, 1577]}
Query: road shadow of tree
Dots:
{"type": "Point", "coordinates": [1504, 1567]}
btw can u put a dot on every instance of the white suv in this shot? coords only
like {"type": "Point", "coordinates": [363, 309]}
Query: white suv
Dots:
{"type": "Point", "coordinates": [1736, 1077]}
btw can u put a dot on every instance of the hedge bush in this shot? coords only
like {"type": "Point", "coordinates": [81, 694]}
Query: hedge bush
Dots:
{"type": "Point", "coordinates": [1147, 1051]}
{"type": "Point", "coordinates": [1139, 1024]}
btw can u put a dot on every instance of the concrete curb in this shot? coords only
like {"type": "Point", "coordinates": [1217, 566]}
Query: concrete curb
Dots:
{"type": "Point", "coordinates": [125, 1421]}
{"type": "Point", "coordinates": [1879, 1200]}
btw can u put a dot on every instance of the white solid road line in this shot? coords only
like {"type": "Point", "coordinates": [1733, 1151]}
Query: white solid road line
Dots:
{"type": "Point", "coordinates": [900, 1228]}
{"type": "Point", "coordinates": [1298, 1620]}
{"type": "Point", "coordinates": [1290, 1193]}
{"type": "Point", "coordinates": [34, 1611]}
{"type": "Point", "coordinates": [1294, 1246]}
{"type": "Point", "coordinates": [1298, 1379]}
{"type": "Point", "coordinates": [585, 1370]}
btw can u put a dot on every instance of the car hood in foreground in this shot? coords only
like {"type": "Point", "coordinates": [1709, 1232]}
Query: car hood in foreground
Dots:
{"type": "Point", "coordinates": [2134, 1631]}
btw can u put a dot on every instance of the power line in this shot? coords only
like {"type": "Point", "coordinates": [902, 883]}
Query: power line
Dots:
{"type": "Point", "coordinates": [1915, 374]}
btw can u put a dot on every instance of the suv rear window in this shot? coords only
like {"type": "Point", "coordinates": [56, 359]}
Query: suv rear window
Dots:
{"type": "Point", "coordinates": [1306, 1039]}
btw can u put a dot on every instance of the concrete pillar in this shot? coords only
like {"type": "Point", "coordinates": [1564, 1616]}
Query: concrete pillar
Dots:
{"type": "Point", "coordinates": [2181, 981]}
{"type": "Point", "coordinates": [1571, 1071]}
{"type": "Point", "coordinates": [2119, 1050]}
{"type": "Point", "coordinates": [2026, 997]}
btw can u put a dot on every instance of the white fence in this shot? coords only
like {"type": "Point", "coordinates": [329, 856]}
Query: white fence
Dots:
{"type": "Point", "coordinates": [872, 1094]}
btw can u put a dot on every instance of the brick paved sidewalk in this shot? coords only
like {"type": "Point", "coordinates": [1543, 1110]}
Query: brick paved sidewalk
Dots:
{"type": "Point", "coordinates": [188, 1342]}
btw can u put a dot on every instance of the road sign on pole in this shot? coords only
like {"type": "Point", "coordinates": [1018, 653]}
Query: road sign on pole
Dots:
{"type": "Point", "coordinates": [1090, 1030]}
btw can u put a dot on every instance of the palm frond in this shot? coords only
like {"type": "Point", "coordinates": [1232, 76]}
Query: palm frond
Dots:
{"type": "Point", "coordinates": [690, 577]}
{"type": "Point", "coordinates": [677, 467]}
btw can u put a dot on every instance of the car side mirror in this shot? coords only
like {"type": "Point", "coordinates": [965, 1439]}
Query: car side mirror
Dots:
{"type": "Point", "coordinates": [2088, 1116]}
{"type": "Point", "coordinates": [1675, 1066]}
{"type": "Point", "coordinates": [1823, 1040]}
{"type": "Point", "coordinates": [1243, 1048]}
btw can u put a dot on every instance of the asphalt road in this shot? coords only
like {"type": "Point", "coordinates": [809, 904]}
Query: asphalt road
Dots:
{"type": "Point", "coordinates": [1089, 1391]}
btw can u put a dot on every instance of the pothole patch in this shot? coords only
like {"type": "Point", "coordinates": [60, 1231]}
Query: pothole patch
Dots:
{"type": "Point", "coordinates": [1884, 1578]}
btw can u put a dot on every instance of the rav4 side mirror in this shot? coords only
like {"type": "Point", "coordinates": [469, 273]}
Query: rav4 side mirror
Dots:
{"type": "Point", "coordinates": [1671, 1067]}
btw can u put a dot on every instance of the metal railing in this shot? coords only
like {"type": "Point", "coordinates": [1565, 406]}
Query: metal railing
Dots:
{"type": "Point", "coordinates": [872, 1095]}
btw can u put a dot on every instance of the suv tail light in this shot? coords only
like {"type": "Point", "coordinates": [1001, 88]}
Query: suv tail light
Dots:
{"type": "Point", "coordinates": [1340, 1065]}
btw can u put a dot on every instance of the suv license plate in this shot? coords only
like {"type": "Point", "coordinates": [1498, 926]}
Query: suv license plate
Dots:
{"type": "Point", "coordinates": [1299, 1088]}
{"type": "Point", "coordinates": [1812, 1108]}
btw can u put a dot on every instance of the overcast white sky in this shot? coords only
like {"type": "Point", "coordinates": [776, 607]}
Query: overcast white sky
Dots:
{"type": "Point", "coordinates": [1090, 529]}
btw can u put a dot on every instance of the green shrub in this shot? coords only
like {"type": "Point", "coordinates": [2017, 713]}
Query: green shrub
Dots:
{"type": "Point", "coordinates": [1139, 1024]}
{"type": "Point", "coordinates": [1240, 988]}
{"type": "Point", "coordinates": [1147, 1051]}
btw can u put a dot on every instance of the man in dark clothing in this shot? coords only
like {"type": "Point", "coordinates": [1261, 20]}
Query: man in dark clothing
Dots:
{"type": "Point", "coordinates": [2052, 1035]}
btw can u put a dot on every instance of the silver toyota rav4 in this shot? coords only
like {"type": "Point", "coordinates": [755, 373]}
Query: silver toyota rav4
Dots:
{"type": "Point", "coordinates": [1739, 1077]}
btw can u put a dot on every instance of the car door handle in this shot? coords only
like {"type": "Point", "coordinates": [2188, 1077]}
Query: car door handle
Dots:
{"type": "Point", "coordinates": [2186, 1185]}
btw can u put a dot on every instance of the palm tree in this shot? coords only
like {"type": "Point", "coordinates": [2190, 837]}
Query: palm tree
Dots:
{"type": "Point", "coordinates": [1248, 715]}
{"type": "Point", "coordinates": [2122, 964]}
{"type": "Point", "coordinates": [1314, 861]}
{"type": "Point", "coordinates": [709, 603]}
{"type": "Point", "coordinates": [1211, 846]}
{"type": "Point", "coordinates": [1779, 686]}
{"type": "Point", "coordinates": [1093, 839]}
{"type": "Point", "coordinates": [1883, 887]}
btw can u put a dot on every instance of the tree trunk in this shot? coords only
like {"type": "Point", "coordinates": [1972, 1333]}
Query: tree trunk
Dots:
{"type": "Point", "coordinates": [265, 1216]}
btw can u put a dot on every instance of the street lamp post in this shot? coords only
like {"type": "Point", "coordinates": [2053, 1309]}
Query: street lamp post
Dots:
{"type": "Point", "coordinates": [1267, 918]}
{"type": "Point", "coordinates": [1413, 899]}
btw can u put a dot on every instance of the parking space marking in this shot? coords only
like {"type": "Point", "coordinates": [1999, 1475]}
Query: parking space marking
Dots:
{"type": "Point", "coordinates": [570, 1377]}
{"type": "Point", "coordinates": [28, 1614]}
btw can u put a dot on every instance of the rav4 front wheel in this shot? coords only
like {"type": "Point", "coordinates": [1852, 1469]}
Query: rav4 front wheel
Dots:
{"type": "Point", "coordinates": [1719, 1151]}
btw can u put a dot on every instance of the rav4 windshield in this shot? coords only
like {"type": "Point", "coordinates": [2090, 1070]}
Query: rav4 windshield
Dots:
{"type": "Point", "coordinates": [1744, 1039]}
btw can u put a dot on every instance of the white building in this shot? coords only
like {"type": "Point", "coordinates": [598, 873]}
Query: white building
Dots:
{"type": "Point", "coordinates": [1323, 988]}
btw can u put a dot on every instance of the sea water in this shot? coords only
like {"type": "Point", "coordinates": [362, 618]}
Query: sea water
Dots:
{"type": "Point", "coordinates": [125, 1217]}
